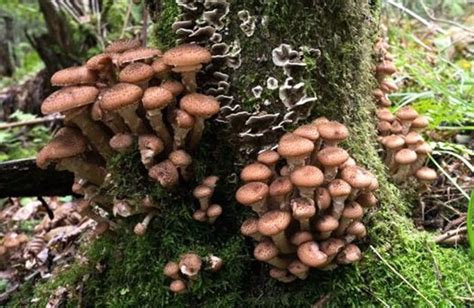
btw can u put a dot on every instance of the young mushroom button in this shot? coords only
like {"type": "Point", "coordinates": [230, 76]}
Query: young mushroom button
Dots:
{"type": "Point", "coordinates": [326, 225]}
{"type": "Point", "coordinates": [122, 45]}
{"type": "Point", "coordinates": [155, 99]}
{"type": "Point", "coordinates": [339, 191]}
{"type": "Point", "coordinates": [303, 209]}
{"type": "Point", "coordinates": [350, 254]}
{"type": "Point", "coordinates": [266, 251]}
{"type": "Point", "coordinates": [182, 161]}
{"type": "Point", "coordinates": [273, 224]}
{"type": "Point", "coordinates": [404, 158]}
{"type": "Point", "coordinates": [164, 173]}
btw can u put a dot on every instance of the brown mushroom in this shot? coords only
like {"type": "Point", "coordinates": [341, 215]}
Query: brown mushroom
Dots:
{"type": "Point", "coordinates": [140, 228]}
{"type": "Point", "coordinates": [190, 265]}
{"type": "Point", "coordinates": [352, 211]}
{"type": "Point", "coordinates": [182, 161]}
{"type": "Point", "coordinates": [213, 212]}
{"type": "Point", "coordinates": [250, 228]}
{"type": "Point", "coordinates": [326, 224]}
{"type": "Point", "coordinates": [331, 158]}
{"type": "Point", "coordinates": [171, 270]}
{"type": "Point", "coordinates": [149, 146]}
{"type": "Point", "coordinates": [350, 254]}
{"type": "Point", "coordinates": [280, 191]}
{"type": "Point", "coordinates": [182, 122]}
{"type": "Point", "coordinates": [303, 210]}
{"type": "Point", "coordinates": [273, 224]}
{"type": "Point", "coordinates": [155, 99]}
{"type": "Point", "coordinates": [333, 132]}
{"type": "Point", "coordinates": [203, 193]}
{"type": "Point", "coordinates": [339, 191]}
{"type": "Point", "coordinates": [73, 76]}
{"type": "Point", "coordinates": [295, 150]}
{"type": "Point", "coordinates": [266, 251]}
{"type": "Point", "coordinates": [310, 255]}
{"type": "Point", "coordinates": [164, 173]}
{"type": "Point", "coordinates": [137, 73]}
{"type": "Point", "coordinates": [307, 179]}
{"type": "Point", "coordinates": [253, 194]}
{"type": "Point", "coordinates": [122, 143]}
{"type": "Point", "coordinates": [406, 115]}
{"type": "Point", "coordinates": [256, 172]}
{"type": "Point", "coordinates": [404, 158]}
{"type": "Point", "coordinates": [178, 286]}
{"type": "Point", "coordinates": [282, 275]}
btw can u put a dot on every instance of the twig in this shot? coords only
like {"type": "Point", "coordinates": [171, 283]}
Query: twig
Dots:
{"type": "Point", "coordinates": [31, 122]}
{"type": "Point", "coordinates": [125, 21]}
{"type": "Point", "coordinates": [449, 234]}
{"type": "Point", "coordinates": [144, 34]}
{"type": "Point", "coordinates": [446, 21]}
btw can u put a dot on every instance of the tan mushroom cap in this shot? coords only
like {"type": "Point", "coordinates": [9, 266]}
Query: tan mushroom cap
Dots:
{"type": "Point", "coordinates": [420, 122]}
{"type": "Point", "coordinates": [423, 148]}
{"type": "Point", "coordinates": [182, 119]}
{"type": "Point", "coordinates": [378, 93]}
{"type": "Point", "coordinates": [187, 55]}
{"type": "Point", "coordinates": [291, 145]}
{"type": "Point", "coordinates": [407, 113]}
{"type": "Point", "coordinates": [214, 210]}
{"type": "Point", "coordinates": [297, 267]}
{"type": "Point", "coordinates": [249, 227]}
{"type": "Point", "coordinates": [326, 223]}
{"type": "Point", "coordinates": [200, 215]}
{"type": "Point", "coordinates": [99, 62]}
{"type": "Point", "coordinates": [308, 131]}
{"type": "Point", "coordinates": [367, 199]}
{"type": "Point", "coordinates": [69, 98]}
{"type": "Point", "coordinates": [268, 157]}
{"type": "Point", "coordinates": [165, 173]}
{"type": "Point", "coordinates": [332, 156]}
{"type": "Point", "coordinates": [405, 156]}
{"type": "Point", "coordinates": [160, 67]}
{"type": "Point", "coordinates": [152, 142]}
{"type": "Point", "coordinates": [265, 251]}
{"type": "Point", "coordinates": [202, 191]}
{"type": "Point", "coordinates": [171, 269]}
{"type": "Point", "coordinates": [251, 192]}
{"type": "Point", "coordinates": [67, 142]}
{"type": "Point", "coordinates": [357, 228]}
{"type": "Point", "coordinates": [353, 210]}
{"type": "Point", "coordinates": [192, 262]}
{"type": "Point", "coordinates": [177, 286]}
{"type": "Point", "coordinates": [121, 95]}
{"type": "Point", "coordinates": [413, 138]}
{"type": "Point", "coordinates": [136, 73]}
{"type": "Point", "coordinates": [307, 176]}
{"type": "Point", "coordinates": [274, 222]}
{"type": "Point", "coordinates": [426, 174]}
{"type": "Point", "coordinates": [280, 186]}
{"type": "Point", "coordinates": [200, 105]}
{"type": "Point", "coordinates": [301, 237]}
{"type": "Point", "coordinates": [173, 86]}
{"type": "Point", "coordinates": [138, 54]}
{"type": "Point", "coordinates": [156, 98]}
{"type": "Point", "coordinates": [393, 141]}
{"type": "Point", "coordinates": [333, 131]}
{"type": "Point", "coordinates": [75, 75]}
{"type": "Point", "coordinates": [310, 254]}
{"type": "Point", "coordinates": [256, 172]}
{"type": "Point", "coordinates": [121, 141]}
{"type": "Point", "coordinates": [338, 188]}
{"type": "Point", "coordinates": [357, 177]}
{"type": "Point", "coordinates": [350, 254]}
{"type": "Point", "coordinates": [302, 208]}
{"type": "Point", "coordinates": [122, 45]}
{"type": "Point", "coordinates": [210, 181]}
{"type": "Point", "coordinates": [331, 246]}
{"type": "Point", "coordinates": [180, 158]}
{"type": "Point", "coordinates": [384, 114]}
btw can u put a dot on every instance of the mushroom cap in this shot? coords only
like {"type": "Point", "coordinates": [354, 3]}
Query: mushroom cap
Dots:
{"type": "Point", "coordinates": [339, 188]}
{"type": "Point", "coordinates": [333, 131]}
{"type": "Point", "coordinates": [303, 208]}
{"type": "Point", "coordinates": [187, 55]}
{"type": "Point", "coordinates": [308, 131]}
{"type": "Point", "coordinates": [177, 286]}
{"type": "Point", "coordinates": [160, 67]}
{"type": "Point", "coordinates": [121, 95]}
{"type": "Point", "coordinates": [348, 163]}
{"type": "Point", "coordinates": [165, 173]}
{"type": "Point", "coordinates": [413, 138]}
{"type": "Point", "coordinates": [138, 54]}
{"type": "Point", "coordinates": [406, 113]}
{"type": "Point", "coordinates": [310, 254]}
{"type": "Point", "coordinates": [256, 172]}
{"type": "Point", "coordinates": [99, 62]}
{"type": "Point", "coordinates": [139, 229]}
{"type": "Point", "coordinates": [265, 251]}
{"type": "Point", "coordinates": [173, 86]}
{"type": "Point", "coordinates": [67, 142]}
{"type": "Point", "coordinates": [171, 269]}
{"type": "Point", "coordinates": [200, 215]}
{"type": "Point", "coordinates": [75, 75]}
{"type": "Point", "coordinates": [357, 177]}
{"type": "Point", "coordinates": [320, 120]}
{"type": "Point", "coordinates": [397, 127]}
{"type": "Point", "coordinates": [268, 157]}
{"type": "Point", "coordinates": [296, 267]}
{"type": "Point", "coordinates": [136, 73]}
{"type": "Point", "coordinates": [423, 148]}
{"type": "Point", "coordinates": [202, 191]}
{"type": "Point", "coordinates": [301, 237]}
{"type": "Point", "coordinates": [285, 171]}
{"type": "Point", "coordinates": [210, 181]}
{"type": "Point", "coordinates": [378, 93]}
{"type": "Point", "coordinates": [249, 227]}
{"type": "Point", "coordinates": [426, 174]}
{"type": "Point", "coordinates": [332, 156]}
{"type": "Point", "coordinates": [280, 186]}
{"type": "Point", "coordinates": [121, 141]}
{"type": "Point", "coordinates": [156, 98]}
{"type": "Point", "coordinates": [122, 45]}
{"type": "Point", "coordinates": [405, 157]}
{"type": "Point", "coordinates": [182, 119]}
{"type": "Point", "coordinates": [326, 223]}
{"type": "Point", "coordinates": [68, 98]}
{"type": "Point", "coordinates": [273, 222]}
{"type": "Point", "coordinates": [353, 210]}
{"type": "Point", "coordinates": [190, 264]}
{"type": "Point", "coordinates": [386, 67]}
{"type": "Point", "coordinates": [393, 141]}
{"type": "Point", "coordinates": [384, 114]}
{"type": "Point", "coordinates": [331, 246]}
{"type": "Point", "coordinates": [251, 192]}
{"type": "Point", "coordinates": [200, 105]}
{"type": "Point", "coordinates": [350, 254]}
{"type": "Point", "coordinates": [322, 197]}
{"type": "Point", "coordinates": [214, 210]}
{"type": "Point", "coordinates": [180, 158]}
{"type": "Point", "coordinates": [291, 145]}
{"type": "Point", "coordinates": [384, 126]}
{"type": "Point", "coordinates": [420, 122]}
{"type": "Point", "coordinates": [367, 199]}
{"type": "Point", "coordinates": [307, 176]}
{"type": "Point", "coordinates": [357, 228]}
{"type": "Point", "coordinates": [150, 142]}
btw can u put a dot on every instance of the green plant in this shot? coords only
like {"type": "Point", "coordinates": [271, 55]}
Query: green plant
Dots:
{"type": "Point", "coordinates": [470, 224]}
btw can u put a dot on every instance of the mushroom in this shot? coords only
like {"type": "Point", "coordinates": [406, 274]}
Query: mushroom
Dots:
{"type": "Point", "coordinates": [331, 247]}
{"type": "Point", "coordinates": [182, 161]}
{"type": "Point", "coordinates": [122, 45]}
{"type": "Point", "coordinates": [122, 142]}
{"type": "Point", "coordinates": [250, 228]}
{"type": "Point", "coordinates": [310, 132]}
{"type": "Point", "coordinates": [73, 76]}
{"type": "Point", "coordinates": [295, 150]}
{"type": "Point", "coordinates": [281, 275]}
{"type": "Point", "coordinates": [72, 102]}
{"type": "Point", "coordinates": [332, 132]}
{"type": "Point", "coordinates": [301, 237]}
{"type": "Point", "coordinates": [137, 73]}
{"type": "Point", "coordinates": [307, 179]}
{"type": "Point", "coordinates": [310, 254]}
{"type": "Point", "coordinates": [352, 211]}
{"type": "Point", "coordinates": [419, 123]}
{"type": "Point", "coordinates": [350, 254]}
{"type": "Point", "coordinates": [173, 86]}
{"type": "Point", "coordinates": [303, 209]}
{"type": "Point", "coordinates": [273, 224]}
{"type": "Point", "coordinates": [190, 265]}
{"type": "Point", "coordinates": [331, 158]}
{"type": "Point", "coordinates": [392, 143]}
{"type": "Point", "coordinates": [124, 98]}
{"type": "Point", "coordinates": [269, 158]}
{"type": "Point", "coordinates": [214, 263]}
{"type": "Point", "coordinates": [426, 175]}
{"type": "Point", "coordinates": [404, 158]}
{"type": "Point", "coordinates": [367, 199]}
{"type": "Point", "coordinates": [182, 122]}
{"type": "Point", "coordinates": [66, 148]}
{"type": "Point", "coordinates": [256, 172]}
{"type": "Point", "coordinates": [187, 60]}
{"type": "Point", "coordinates": [326, 225]}
{"type": "Point", "coordinates": [112, 120]}
{"type": "Point", "coordinates": [160, 69]}
{"type": "Point", "coordinates": [253, 194]}
{"type": "Point", "coordinates": [413, 140]}
{"type": "Point", "coordinates": [358, 178]}
{"type": "Point", "coordinates": [178, 286]}
{"type": "Point", "coordinates": [384, 128]}
{"type": "Point", "coordinates": [213, 212]}
{"type": "Point", "coordinates": [396, 128]}
{"type": "Point", "coordinates": [356, 230]}
{"type": "Point", "coordinates": [138, 54]}
{"type": "Point", "coordinates": [149, 146]}
{"type": "Point", "coordinates": [203, 193]}
{"type": "Point", "coordinates": [164, 173]}
{"type": "Point", "coordinates": [140, 228]}
{"type": "Point", "coordinates": [266, 251]}
{"type": "Point", "coordinates": [384, 114]}
{"type": "Point", "coordinates": [406, 115]}
{"type": "Point", "coordinates": [339, 191]}
{"type": "Point", "coordinates": [155, 99]}
{"type": "Point", "coordinates": [102, 65]}
{"type": "Point", "coordinates": [171, 270]}
{"type": "Point", "coordinates": [280, 191]}
{"type": "Point", "coordinates": [422, 151]}
{"type": "Point", "coordinates": [201, 107]}
{"type": "Point", "coordinates": [200, 215]}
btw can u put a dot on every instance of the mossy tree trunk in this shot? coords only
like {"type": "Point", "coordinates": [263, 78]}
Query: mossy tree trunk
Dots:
{"type": "Point", "coordinates": [336, 39]}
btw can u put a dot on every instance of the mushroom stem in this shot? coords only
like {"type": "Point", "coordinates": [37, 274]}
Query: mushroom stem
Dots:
{"type": "Point", "coordinates": [114, 122]}
{"type": "Point", "coordinates": [260, 207]}
{"type": "Point", "coordinates": [179, 137]}
{"type": "Point", "coordinates": [278, 262]}
{"type": "Point", "coordinates": [330, 173]}
{"type": "Point", "coordinates": [196, 132]}
{"type": "Point", "coordinates": [343, 224]}
{"type": "Point", "coordinates": [135, 123]}
{"type": "Point", "coordinates": [189, 81]}
{"type": "Point", "coordinates": [307, 192]}
{"type": "Point", "coordinates": [83, 169]}
{"type": "Point", "coordinates": [155, 117]}
{"type": "Point", "coordinates": [402, 173]}
{"type": "Point", "coordinates": [282, 243]}
{"type": "Point", "coordinates": [140, 228]}
{"type": "Point", "coordinates": [338, 206]}
{"type": "Point", "coordinates": [304, 224]}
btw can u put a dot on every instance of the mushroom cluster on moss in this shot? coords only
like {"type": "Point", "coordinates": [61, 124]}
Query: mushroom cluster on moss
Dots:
{"type": "Point", "coordinates": [310, 197]}
{"type": "Point", "coordinates": [405, 149]}
{"type": "Point", "coordinates": [187, 269]}
{"type": "Point", "coordinates": [207, 211]}
{"type": "Point", "coordinates": [128, 96]}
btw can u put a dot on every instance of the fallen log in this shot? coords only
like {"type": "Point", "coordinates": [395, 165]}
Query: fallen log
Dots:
{"type": "Point", "coordinates": [22, 178]}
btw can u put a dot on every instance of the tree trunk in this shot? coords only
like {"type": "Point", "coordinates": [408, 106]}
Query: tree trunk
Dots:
{"type": "Point", "coordinates": [7, 65]}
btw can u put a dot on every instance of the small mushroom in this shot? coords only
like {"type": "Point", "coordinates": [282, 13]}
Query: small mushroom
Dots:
{"type": "Point", "coordinates": [155, 99]}
{"type": "Point", "coordinates": [253, 194]}
{"type": "Point", "coordinates": [178, 286]}
{"type": "Point", "coordinates": [350, 254]}
{"type": "Point", "coordinates": [331, 158]}
{"type": "Point", "coordinates": [404, 158]}
{"type": "Point", "coordinates": [182, 161]}
{"type": "Point", "coordinates": [269, 158]}
{"type": "Point", "coordinates": [122, 143]}
{"type": "Point", "coordinates": [326, 225]}
{"type": "Point", "coordinates": [307, 179]}
{"type": "Point", "coordinates": [280, 191]}
{"type": "Point", "coordinates": [149, 146]}
{"type": "Point", "coordinates": [332, 133]}
{"type": "Point", "coordinates": [190, 265]}
{"type": "Point", "coordinates": [339, 191]}
{"type": "Point", "coordinates": [250, 228]}
{"type": "Point", "coordinates": [310, 254]}
{"type": "Point", "coordinates": [303, 210]}
{"type": "Point", "coordinates": [203, 193]}
{"type": "Point", "coordinates": [273, 224]}
{"type": "Point", "coordinates": [426, 175]}
{"type": "Point", "coordinates": [322, 197]}
{"type": "Point", "coordinates": [171, 270]}
{"type": "Point", "coordinates": [213, 212]}
{"type": "Point", "coordinates": [137, 73]}
{"type": "Point", "coordinates": [73, 76]}
{"type": "Point", "coordinates": [164, 173]}
{"type": "Point", "coordinates": [182, 122]}
{"type": "Point", "coordinates": [266, 251]}
{"type": "Point", "coordinates": [295, 149]}
{"type": "Point", "coordinates": [256, 172]}
{"type": "Point", "coordinates": [356, 230]}
{"type": "Point", "coordinates": [358, 178]}
{"type": "Point", "coordinates": [352, 211]}
{"type": "Point", "coordinates": [406, 115]}
{"type": "Point", "coordinates": [140, 228]}
{"type": "Point", "coordinates": [282, 275]}
{"type": "Point", "coordinates": [331, 247]}
{"type": "Point", "coordinates": [200, 215]}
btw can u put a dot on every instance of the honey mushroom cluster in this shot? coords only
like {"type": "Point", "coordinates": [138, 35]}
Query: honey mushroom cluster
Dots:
{"type": "Point", "coordinates": [187, 269]}
{"type": "Point", "coordinates": [399, 133]}
{"type": "Point", "coordinates": [127, 96]}
{"type": "Point", "coordinates": [203, 193]}
{"type": "Point", "coordinates": [310, 208]}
